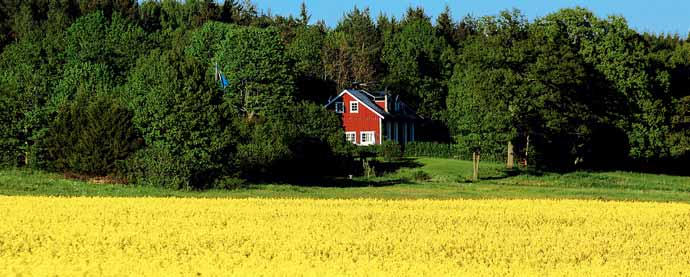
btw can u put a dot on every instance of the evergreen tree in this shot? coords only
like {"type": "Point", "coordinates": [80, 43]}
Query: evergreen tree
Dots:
{"type": "Point", "coordinates": [304, 14]}
{"type": "Point", "coordinates": [445, 26]}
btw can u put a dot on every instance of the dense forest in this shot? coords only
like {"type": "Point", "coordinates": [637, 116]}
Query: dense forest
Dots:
{"type": "Point", "coordinates": [128, 88]}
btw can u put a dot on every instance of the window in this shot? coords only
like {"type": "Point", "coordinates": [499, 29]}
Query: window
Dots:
{"type": "Point", "coordinates": [351, 137]}
{"type": "Point", "coordinates": [367, 138]}
{"type": "Point", "coordinates": [339, 107]}
{"type": "Point", "coordinates": [354, 107]}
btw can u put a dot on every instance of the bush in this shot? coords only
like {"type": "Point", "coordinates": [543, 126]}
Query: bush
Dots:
{"type": "Point", "coordinates": [421, 176]}
{"type": "Point", "coordinates": [390, 151]}
{"type": "Point", "coordinates": [10, 145]}
{"type": "Point", "coordinates": [451, 151]}
{"type": "Point", "coordinates": [89, 136]}
{"type": "Point", "coordinates": [160, 166]}
{"type": "Point", "coordinates": [430, 149]}
{"type": "Point", "coordinates": [295, 143]}
{"type": "Point", "coordinates": [229, 183]}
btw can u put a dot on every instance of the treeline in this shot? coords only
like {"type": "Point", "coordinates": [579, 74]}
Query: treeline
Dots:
{"type": "Point", "coordinates": [130, 89]}
{"type": "Point", "coordinates": [573, 90]}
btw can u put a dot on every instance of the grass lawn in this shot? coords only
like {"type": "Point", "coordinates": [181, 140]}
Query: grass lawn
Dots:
{"type": "Point", "coordinates": [441, 179]}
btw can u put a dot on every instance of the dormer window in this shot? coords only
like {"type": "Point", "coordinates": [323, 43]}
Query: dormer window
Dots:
{"type": "Point", "coordinates": [354, 107]}
{"type": "Point", "coordinates": [339, 107]}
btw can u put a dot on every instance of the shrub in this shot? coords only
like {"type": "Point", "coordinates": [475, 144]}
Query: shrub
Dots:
{"type": "Point", "coordinates": [421, 176]}
{"type": "Point", "coordinates": [89, 136]}
{"type": "Point", "coordinates": [453, 151]}
{"type": "Point", "coordinates": [159, 166]}
{"type": "Point", "coordinates": [229, 183]}
{"type": "Point", "coordinates": [390, 151]}
{"type": "Point", "coordinates": [430, 149]}
{"type": "Point", "coordinates": [296, 142]}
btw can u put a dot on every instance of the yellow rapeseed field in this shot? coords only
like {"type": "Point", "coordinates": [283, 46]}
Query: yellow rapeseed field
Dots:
{"type": "Point", "coordinates": [168, 237]}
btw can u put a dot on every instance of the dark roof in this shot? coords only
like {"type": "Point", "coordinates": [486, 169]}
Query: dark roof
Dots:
{"type": "Point", "coordinates": [369, 98]}
{"type": "Point", "coordinates": [361, 96]}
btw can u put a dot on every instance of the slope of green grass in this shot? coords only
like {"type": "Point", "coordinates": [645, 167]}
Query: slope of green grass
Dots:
{"type": "Point", "coordinates": [446, 179]}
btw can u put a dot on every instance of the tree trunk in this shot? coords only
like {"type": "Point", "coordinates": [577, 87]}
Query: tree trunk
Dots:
{"type": "Point", "coordinates": [511, 156]}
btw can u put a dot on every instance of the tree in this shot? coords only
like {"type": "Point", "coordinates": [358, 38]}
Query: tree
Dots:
{"type": "Point", "coordinates": [94, 39]}
{"type": "Point", "coordinates": [621, 57]}
{"type": "Point", "coordinates": [305, 50]}
{"type": "Point", "coordinates": [27, 78]}
{"type": "Point", "coordinates": [90, 135]}
{"type": "Point", "coordinates": [230, 12]}
{"type": "Point", "coordinates": [416, 61]}
{"type": "Point", "coordinates": [257, 69]}
{"type": "Point", "coordinates": [299, 142]}
{"type": "Point", "coordinates": [445, 27]}
{"type": "Point", "coordinates": [185, 122]}
{"type": "Point", "coordinates": [479, 111]}
{"type": "Point", "coordinates": [206, 42]}
{"type": "Point", "coordinates": [359, 43]}
{"type": "Point", "coordinates": [304, 14]}
{"type": "Point", "coordinates": [126, 8]}
{"type": "Point", "coordinates": [336, 59]}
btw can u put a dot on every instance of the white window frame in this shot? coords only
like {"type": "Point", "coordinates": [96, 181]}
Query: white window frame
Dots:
{"type": "Point", "coordinates": [354, 104]}
{"type": "Point", "coordinates": [339, 107]}
{"type": "Point", "coordinates": [354, 137]}
{"type": "Point", "coordinates": [371, 134]}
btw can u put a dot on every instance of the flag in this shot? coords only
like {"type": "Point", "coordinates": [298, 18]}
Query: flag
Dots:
{"type": "Point", "coordinates": [220, 77]}
{"type": "Point", "coordinates": [224, 81]}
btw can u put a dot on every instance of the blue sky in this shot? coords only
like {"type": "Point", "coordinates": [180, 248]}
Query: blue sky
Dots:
{"type": "Point", "coordinates": [657, 16]}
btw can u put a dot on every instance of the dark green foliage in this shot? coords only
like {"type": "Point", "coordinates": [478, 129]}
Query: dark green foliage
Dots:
{"type": "Point", "coordinates": [391, 151]}
{"type": "Point", "coordinates": [430, 149]}
{"type": "Point", "coordinates": [420, 176]}
{"type": "Point", "coordinates": [26, 78]}
{"type": "Point", "coordinates": [89, 136]}
{"type": "Point", "coordinates": [116, 42]}
{"type": "Point", "coordinates": [305, 50]}
{"type": "Point", "coordinates": [10, 142]}
{"type": "Point", "coordinates": [351, 51]}
{"type": "Point", "coordinates": [418, 63]}
{"type": "Point", "coordinates": [453, 151]}
{"type": "Point", "coordinates": [302, 141]}
{"type": "Point", "coordinates": [586, 92]}
{"type": "Point", "coordinates": [257, 68]}
{"type": "Point", "coordinates": [184, 120]}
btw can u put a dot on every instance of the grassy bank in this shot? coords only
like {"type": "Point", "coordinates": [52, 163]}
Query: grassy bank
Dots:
{"type": "Point", "coordinates": [416, 178]}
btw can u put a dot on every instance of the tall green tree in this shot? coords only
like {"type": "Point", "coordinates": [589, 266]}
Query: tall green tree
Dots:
{"type": "Point", "coordinates": [258, 71]}
{"type": "Point", "coordinates": [418, 65]}
{"type": "Point", "coordinates": [184, 120]}
{"type": "Point", "coordinates": [305, 50]}
{"type": "Point", "coordinates": [115, 42]}
{"type": "Point", "coordinates": [358, 44]}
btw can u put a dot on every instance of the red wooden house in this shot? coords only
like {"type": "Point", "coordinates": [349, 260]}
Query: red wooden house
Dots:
{"type": "Point", "coordinates": [371, 118]}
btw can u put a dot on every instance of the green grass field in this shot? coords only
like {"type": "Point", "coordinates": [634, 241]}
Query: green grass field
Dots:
{"type": "Point", "coordinates": [441, 179]}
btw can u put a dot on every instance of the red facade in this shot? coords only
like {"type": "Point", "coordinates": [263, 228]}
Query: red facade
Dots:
{"type": "Point", "coordinates": [364, 120]}
{"type": "Point", "coordinates": [371, 118]}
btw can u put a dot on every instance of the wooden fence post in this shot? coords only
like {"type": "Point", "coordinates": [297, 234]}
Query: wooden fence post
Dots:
{"type": "Point", "coordinates": [511, 156]}
{"type": "Point", "coordinates": [475, 165]}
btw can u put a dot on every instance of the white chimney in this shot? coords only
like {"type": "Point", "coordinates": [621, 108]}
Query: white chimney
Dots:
{"type": "Point", "coordinates": [385, 102]}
